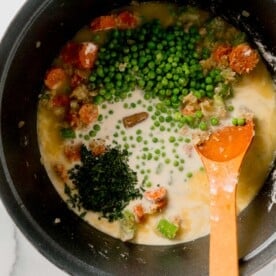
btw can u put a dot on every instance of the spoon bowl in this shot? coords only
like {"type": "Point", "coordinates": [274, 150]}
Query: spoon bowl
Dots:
{"type": "Point", "coordinates": [222, 154]}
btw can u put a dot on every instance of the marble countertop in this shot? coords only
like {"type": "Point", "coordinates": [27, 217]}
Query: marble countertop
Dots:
{"type": "Point", "coordinates": [18, 256]}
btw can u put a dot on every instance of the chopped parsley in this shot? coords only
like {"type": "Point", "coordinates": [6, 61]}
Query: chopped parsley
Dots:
{"type": "Point", "coordinates": [106, 183]}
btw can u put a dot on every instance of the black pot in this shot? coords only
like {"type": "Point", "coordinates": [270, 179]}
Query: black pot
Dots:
{"type": "Point", "coordinates": [26, 190]}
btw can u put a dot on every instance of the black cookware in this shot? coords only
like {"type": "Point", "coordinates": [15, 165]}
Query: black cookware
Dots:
{"type": "Point", "coordinates": [27, 49]}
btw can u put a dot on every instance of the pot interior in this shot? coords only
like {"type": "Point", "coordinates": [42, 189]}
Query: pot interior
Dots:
{"type": "Point", "coordinates": [32, 41]}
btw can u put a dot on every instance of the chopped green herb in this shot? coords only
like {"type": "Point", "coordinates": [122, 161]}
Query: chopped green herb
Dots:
{"type": "Point", "coordinates": [73, 198]}
{"type": "Point", "coordinates": [105, 183]}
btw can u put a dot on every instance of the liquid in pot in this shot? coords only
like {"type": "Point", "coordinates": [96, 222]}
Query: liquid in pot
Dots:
{"type": "Point", "coordinates": [125, 101]}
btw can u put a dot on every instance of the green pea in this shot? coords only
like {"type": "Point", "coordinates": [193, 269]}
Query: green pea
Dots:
{"type": "Point", "coordinates": [168, 119]}
{"type": "Point", "coordinates": [133, 105]}
{"type": "Point", "coordinates": [167, 160]}
{"type": "Point", "coordinates": [157, 151]}
{"type": "Point", "coordinates": [175, 163]}
{"type": "Point", "coordinates": [203, 126]}
{"type": "Point", "coordinates": [214, 121]}
{"type": "Point", "coordinates": [96, 127]}
{"type": "Point", "coordinates": [172, 139]}
{"type": "Point", "coordinates": [161, 119]}
{"type": "Point", "coordinates": [147, 96]}
{"type": "Point", "coordinates": [98, 99]}
{"type": "Point", "coordinates": [208, 80]}
{"type": "Point", "coordinates": [209, 87]}
{"type": "Point", "coordinates": [162, 128]}
{"type": "Point", "coordinates": [156, 123]}
{"type": "Point", "coordinates": [230, 108]}
{"type": "Point", "coordinates": [100, 117]}
{"type": "Point", "coordinates": [149, 156]}
{"type": "Point", "coordinates": [156, 158]}
{"type": "Point", "coordinates": [199, 114]}
{"type": "Point", "coordinates": [92, 133]}
{"type": "Point", "coordinates": [235, 121]}
{"type": "Point", "coordinates": [241, 121]}
{"type": "Point", "coordinates": [189, 174]}
{"type": "Point", "coordinates": [148, 184]}
{"type": "Point", "coordinates": [150, 108]}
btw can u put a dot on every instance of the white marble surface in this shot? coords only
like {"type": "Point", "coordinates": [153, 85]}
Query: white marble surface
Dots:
{"type": "Point", "coordinates": [18, 257]}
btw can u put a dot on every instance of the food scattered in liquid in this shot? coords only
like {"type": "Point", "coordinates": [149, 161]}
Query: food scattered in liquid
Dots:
{"type": "Point", "coordinates": [124, 103]}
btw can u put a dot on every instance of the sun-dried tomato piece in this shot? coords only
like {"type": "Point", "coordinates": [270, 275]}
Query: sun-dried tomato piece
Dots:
{"type": "Point", "coordinates": [97, 147]}
{"type": "Point", "coordinates": [72, 118]}
{"type": "Point", "coordinates": [87, 55]}
{"type": "Point", "coordinates": [60, 100]}
{"type": "Point", "coordinates": [81, 55]}
{"type": "Point", "coordinates": [55, 77]}
{"type": "Point", "coordinates": [103, 23]}
{"type": "Point", "coordinates": [221, 53]}
{"type": "Point", "coordinates": [243, 58]}
{"type": "Point", "coordinates": [156, 194]}
{"type": "Point", "coordinates": [69, 53]}
{"type": "Point", "coordinates": [60, 171]}
{"type": "Point", "coordinates": [124, 20]}
{"type": "Point", "coordinates": [72, 152]}
{"type": "Point", "coordinates": [76, 80]}
{"type": "Point", "coordinates": [88, 113]}
{"type": "Point", "coordinates": [139, 212]}
{"type": "Point", "coordinates": [79, 76]}
{"type": "Point", "coordinates": [127, 20]}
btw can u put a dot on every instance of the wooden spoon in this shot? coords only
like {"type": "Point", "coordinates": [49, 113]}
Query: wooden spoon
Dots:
{"type": "Point", "coordinates": [222, 154]}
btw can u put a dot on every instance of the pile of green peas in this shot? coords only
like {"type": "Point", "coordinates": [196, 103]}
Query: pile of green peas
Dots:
{"type": "Point", "coordinates": [162, 61]}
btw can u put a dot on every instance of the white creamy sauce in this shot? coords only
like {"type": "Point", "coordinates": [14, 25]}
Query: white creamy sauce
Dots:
{"type": "Point", "coordinates": [188, 196]}
{"type": "Point", "coordinates": [155, 159]}
{"type": "Point", "coordinates": [162, 155]}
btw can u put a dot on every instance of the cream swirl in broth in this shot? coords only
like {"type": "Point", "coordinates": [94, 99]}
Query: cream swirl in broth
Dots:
{"type": "Point", "coordinates": [173, 206]}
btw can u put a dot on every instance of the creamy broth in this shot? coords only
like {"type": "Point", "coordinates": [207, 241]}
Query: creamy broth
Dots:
{"type": "Point", "coordinates": [162, 162]}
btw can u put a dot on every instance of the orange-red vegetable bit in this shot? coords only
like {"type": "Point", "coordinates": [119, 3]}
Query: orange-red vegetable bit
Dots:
{"type": "Point", "coordinates": [54, 78]}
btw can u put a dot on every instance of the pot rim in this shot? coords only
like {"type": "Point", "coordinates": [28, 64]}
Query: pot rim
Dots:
{"type": "Point", "coordinates": [11, 199]}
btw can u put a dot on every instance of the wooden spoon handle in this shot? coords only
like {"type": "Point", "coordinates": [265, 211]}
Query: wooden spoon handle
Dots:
{"type": "Point", "coordinates": [223, 239]}
{"type": "Point", "coordinates": [222, 154]}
